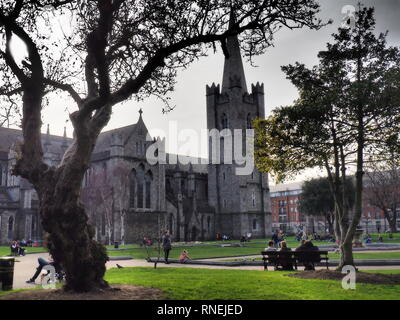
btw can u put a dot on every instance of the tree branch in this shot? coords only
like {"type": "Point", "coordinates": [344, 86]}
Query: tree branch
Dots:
{"type": "Point", "coordinates": [65, 87]}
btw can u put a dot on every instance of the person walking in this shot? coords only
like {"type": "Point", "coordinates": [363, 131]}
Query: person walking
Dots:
{"type": "Point", "coordinates": [167, 246]}
{"type": "Point", "coordinates": [275, 238]}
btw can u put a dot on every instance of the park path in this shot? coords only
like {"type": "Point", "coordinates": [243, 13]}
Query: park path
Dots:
{"type": "Point", "coordinates": [26, 267]}
{"type": "Point", "coordinates": [258, 256]}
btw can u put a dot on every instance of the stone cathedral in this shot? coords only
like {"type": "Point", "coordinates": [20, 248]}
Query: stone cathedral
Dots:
{"type": "Point", "coordinates": [128, 199]}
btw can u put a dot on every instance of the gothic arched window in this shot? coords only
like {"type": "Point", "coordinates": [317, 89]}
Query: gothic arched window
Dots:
{"type": "Point", "coordinates": [249, 122]}
{"type": "Point", "coordinates": [224, 121]}
{"type": "Point", "coordinates": [140, 186]}
{"type": "Point", "coordinates": [132, 188]}
{"type": "Point", "coordinates": [183, 186]}
{"type": "Point", "coordinates": [148, 179]}
{"type": "Point", "coordinates": [10, 228]}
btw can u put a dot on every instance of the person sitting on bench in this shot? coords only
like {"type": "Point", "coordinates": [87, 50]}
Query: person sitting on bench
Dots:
{"type": "Point", "coordinates": [14, 248]}
{"type": "Point", "coordinates": [285, 262]}
{"type": "Point", "coordinates": [308, 246]}
{"type": "Point", "coordinates": [271, 246]}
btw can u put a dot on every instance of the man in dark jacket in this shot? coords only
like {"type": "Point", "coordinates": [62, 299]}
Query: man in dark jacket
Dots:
{"type": "Point", "coordinates": [166, 242]}
{"type": "Point", "coordinates": [275, 238]}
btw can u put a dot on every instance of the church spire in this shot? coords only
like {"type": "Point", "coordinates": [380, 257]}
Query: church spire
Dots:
{"type": "Point", "coordinates": [233, 68]}
{"type": "Point", "coordinates": [47, 139]}
{"type": "Point", "coordinates": [64, 144]}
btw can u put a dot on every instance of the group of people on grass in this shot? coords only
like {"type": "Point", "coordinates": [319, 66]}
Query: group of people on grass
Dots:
{"type": "Point", "coordinates": [278, 237]}
{"type": "Point", "coordinates": [368, 238]}
{"type": "Point", "coordinates": [223, 237]}
{"type": "Point", "coordinates": [17, 248]}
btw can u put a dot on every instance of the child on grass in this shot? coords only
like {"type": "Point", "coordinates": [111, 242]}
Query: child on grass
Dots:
{"type": "Point", "coordinates": [184, 256]}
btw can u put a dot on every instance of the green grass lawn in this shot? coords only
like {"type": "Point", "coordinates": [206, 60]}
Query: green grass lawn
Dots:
{"type": "Point", "coordinates": [211, 284]}
{"type": "Point", "coordinates": [385, 235]}
{"type": "Point", "coordinates": [5, 250]}
{"type": "Point", "coordinates": [207, 251]}
{"type": "Point", "coordinates": [194, 252]}
{"type": "Point", "coordinates": [211, 251]}
{"type": "Point", "coordinates": [3, 293]}
{"type": "Point", "coordinates": [370, 255]}
{"type": "Point", "coordinates": [357, 256]}
{"type": "Point", "coordinates": [125, 246]}
{"type": "Point", "coordinates": [203, 252]}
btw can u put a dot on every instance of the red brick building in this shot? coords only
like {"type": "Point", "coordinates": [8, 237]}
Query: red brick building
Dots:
{"type": "Point", "coordinates": [286, 215]}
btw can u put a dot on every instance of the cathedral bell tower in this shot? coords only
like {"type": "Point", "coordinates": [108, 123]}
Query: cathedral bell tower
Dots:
{"type": "Point", "coordinates": [241, 202]}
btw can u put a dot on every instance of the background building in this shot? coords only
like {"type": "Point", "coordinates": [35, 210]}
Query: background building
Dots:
{"type": "Point", "coordinates": [286, 216]}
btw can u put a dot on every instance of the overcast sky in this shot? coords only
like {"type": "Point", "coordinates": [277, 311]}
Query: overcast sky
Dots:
{"type": "Point", "coordinates": [189, 96]}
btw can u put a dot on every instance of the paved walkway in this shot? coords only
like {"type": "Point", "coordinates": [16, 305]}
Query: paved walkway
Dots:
{"type": "Point", "coordinates": [26, 267]}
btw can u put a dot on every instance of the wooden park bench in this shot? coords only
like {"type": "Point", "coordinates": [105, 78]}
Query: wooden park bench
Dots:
{"type": "Point", "coordinates": [280, 259]}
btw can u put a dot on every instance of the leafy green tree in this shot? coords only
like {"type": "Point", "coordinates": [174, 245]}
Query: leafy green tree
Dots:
{"type": "Point", "coordinates": [317, 199]}
{"type": "Point", "coordinates": [347, 115]}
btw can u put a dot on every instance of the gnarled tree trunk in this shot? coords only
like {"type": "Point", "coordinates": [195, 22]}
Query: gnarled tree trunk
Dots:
{"type": "Point", "coordinates": [71, 240]}
{"type": "Point", "coordinates": [71, 237]}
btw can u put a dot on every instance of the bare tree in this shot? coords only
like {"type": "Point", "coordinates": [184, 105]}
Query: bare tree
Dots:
{"type": "Point", "coordinates": [382, 190]}
{"type": "Point", "coordinates": [117, 50]}
{"type": "Point", "coordinates": [98, 196]}
{"type": "Point", "coordinates": [106, 195]}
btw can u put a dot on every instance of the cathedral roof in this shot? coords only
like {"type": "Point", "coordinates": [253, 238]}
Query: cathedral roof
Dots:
{"type": "Point", "coordinates": [105, 139]}
{"type": "Point", "coordinates": [9, 136]}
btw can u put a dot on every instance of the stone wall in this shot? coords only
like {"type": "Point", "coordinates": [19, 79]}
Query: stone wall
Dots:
{"type": "Point", "coordinates": [144, 224]}
{"type": "Point", "coordinates": [237, 225]}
